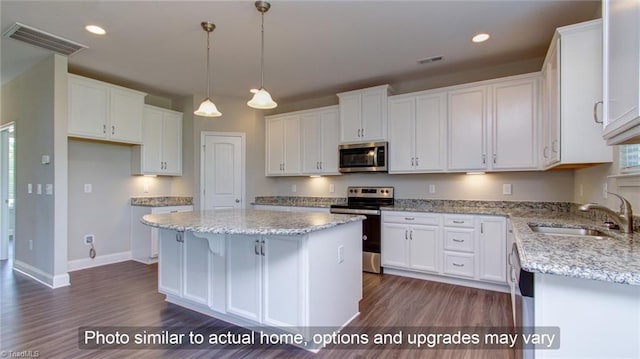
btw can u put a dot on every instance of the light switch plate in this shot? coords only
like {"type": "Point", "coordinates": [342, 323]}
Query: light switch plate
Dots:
{"type": "Point", "coordinates": [29, 188]}
{"type": "Point", "coordinates": [432, 188]}
{"type": "Point", "coordinates": [39, 188]}
{"type": "Point", "coordinates": [332, 188]}
{"type": "Point", "coordinates": [88, 188]}
{"type": "Point", "coordinates": [48, 189]}
{"type": "Point", "coordinates": [506, 189]}
{"type": "Point", "coordinates": [45, 160]}
{"type": "Point", "coordinates": [294, 188]}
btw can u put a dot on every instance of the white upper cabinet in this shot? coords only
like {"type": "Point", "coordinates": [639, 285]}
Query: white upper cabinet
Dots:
{"type": "Point", "coordinates": [621, 68]}
{"type": "Point", "coordinates": [494, 126]}
{"type": "Point", "coordinates": [283, 145]}
{"type": "Point", "coordinates": [161, 150]}
{"type": "Point", "coordinates": [514, 125]}
{"type": "Point", "coordinates": [319, 133]}
{"type": "Point", "coordinates": [416, 128]}
{"type": "Point", "coordinates": [467, 121]}
{"type": "Point", "coordinates": [363, 115]}
{"type": "Point", "coordinates": [98, 110]}
{"type": "Point", "coordinates": [572, 72]}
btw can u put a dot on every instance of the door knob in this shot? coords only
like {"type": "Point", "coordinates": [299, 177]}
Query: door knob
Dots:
{"type": "Point", "coordinates": [237, 200]}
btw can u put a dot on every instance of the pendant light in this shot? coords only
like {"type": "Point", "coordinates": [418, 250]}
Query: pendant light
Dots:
{"type": "Point", "coordinates": [207, 107]}
{"type": "Point", "coordinates": [261, 98]}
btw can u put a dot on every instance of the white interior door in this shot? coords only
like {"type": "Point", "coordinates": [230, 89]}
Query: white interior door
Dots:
{"type": "Point", "coordinates": [6, 197]}
{"type": "Point", "coordinates": [222, 171]}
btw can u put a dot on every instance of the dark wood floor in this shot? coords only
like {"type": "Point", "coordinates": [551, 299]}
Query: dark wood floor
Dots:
{"type": "Point", "coordinates": [36, 318]}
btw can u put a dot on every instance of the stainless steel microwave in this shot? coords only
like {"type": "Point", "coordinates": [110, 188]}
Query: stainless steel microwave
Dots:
{"type": "Point", "coordinates": [363, 157]}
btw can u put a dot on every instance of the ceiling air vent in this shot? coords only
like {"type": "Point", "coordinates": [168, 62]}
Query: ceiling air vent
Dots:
{"type": "Point", "coordinates": [43, 39]}
{"type": "Point", "coordinates": [429, 60]}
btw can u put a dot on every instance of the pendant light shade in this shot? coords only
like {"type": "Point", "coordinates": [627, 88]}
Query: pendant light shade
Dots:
{"type": "Point", "coordinates": [207, 107]}
{"type": "Point", "coordinates": [261, 98]}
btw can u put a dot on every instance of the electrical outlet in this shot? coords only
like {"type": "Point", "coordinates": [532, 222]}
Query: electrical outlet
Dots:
{"type": "Point", "coordinates": [581, 189]}
{"type": "Point", "coordinates": [605, 189]}
{"type": "Point", "coordinates": [332, 188]}
{"type": "Point", "coordinates": [29, 188]}
{"type": "Point", "coordinates": [340, 254]}
{"type": "Point", "coordinates": [145, 188]}
{"type": "Point", "coordinates": [31, 244]}
{"type": "Point", "coordinates": [39, 188]}
{"type": "Point", "coordinates": [432, 188]}
{"type": "Point", "coordinates": [89, 239]}
{"type": "Point", "coordinates": [294, 188]}
{"type": "Point", "coordinates": [88, 188]}
{"type": "Point", "coordinates": [48, 189]}
{"type": "Point", "coordinates": [506, 189]}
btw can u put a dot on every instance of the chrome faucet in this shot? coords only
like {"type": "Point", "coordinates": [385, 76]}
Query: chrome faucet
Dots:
{"type": "Point", "coordinates": [624, 219]}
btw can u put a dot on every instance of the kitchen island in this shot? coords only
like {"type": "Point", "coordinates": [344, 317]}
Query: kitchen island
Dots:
{"type": "Point", "coordinates": [282, 272]}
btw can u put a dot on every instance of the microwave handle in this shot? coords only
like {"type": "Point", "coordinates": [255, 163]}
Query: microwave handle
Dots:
{"type": "Point", "coordinates": [375, 157]}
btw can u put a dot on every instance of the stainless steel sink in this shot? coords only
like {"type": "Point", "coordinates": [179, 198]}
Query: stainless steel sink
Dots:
{"type": "Point", "coordinates": [573, 232]}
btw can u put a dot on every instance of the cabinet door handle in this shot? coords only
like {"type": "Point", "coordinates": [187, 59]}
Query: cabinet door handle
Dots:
{"type": "Point", "coordinates": [180, 237]}
{"type": "Point", "coordinates": [554, 146]}
{"type": "Point", "coordinates": [458, 240]}
{"type": "Point", "coordinates": [595, 112]}
{"type": "Point", "coordinates": [545, 153]}
{"type": "Point", "coordinates": [458, 222]}
{"type": "Point", "coordinates": [104, 129]}
{"type": "Point", "coordinates": [411, 234]}
{"type": "Point", "coordinates": [413, 161]}
{"type": "Point", "coordinates": [255, 247]}
{"type": "Point", "coordinates": [262, 248]}
{"type": "Point", "coordinates": [494, 158]}
{"type": "Point", "coordinates": [417, 162]}
{"type": "Point", "coordinates": [320, 164]}
{"type": "Point", "coordinates": [406, 234]}
{"type": "Point", "coordinates": [359, 133]}
{"type": "Point", "coordinates": [484, 159]}
{"type": "Point", "coordinates": [481, 227]}
{"type": "Point", "coordinates": [409, 218]}
{"type": "Point", "coordinates": [113, 130]}
{"type": "Point", "coordinates": [362, 132]}
{"type": "Point", "coordinates": [457, 265]}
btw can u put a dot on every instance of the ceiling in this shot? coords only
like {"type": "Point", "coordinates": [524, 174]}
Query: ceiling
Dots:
{"type": "Point", "coordinates": [312, 48]}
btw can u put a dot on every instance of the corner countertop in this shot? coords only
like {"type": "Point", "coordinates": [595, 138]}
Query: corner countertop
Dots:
{"type": "Point", "coordinates": [248, 221]}
{"type": "Point", "coordinates": [161, 201]}
{"type": "Point", "coordinates": [615, 259]}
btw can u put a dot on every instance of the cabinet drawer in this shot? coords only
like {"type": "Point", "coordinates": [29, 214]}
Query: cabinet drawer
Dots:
{"type": "Point", "coordinates": [411, 218]}
{"type": "Point", "coordinates": [459, 264]}
{"type": "Point", "coordinates": [458, 221]}
{"type": "Point", "coordinates": [458, 240]}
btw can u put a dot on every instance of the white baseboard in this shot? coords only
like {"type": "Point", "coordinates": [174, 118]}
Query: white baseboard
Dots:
{"type": "Point", "coordinates": [85, 263]}
{"type": "Point", "coordinates": [55, 281]}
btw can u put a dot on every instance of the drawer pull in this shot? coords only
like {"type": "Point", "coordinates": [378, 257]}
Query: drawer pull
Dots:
{"type": "Point", "coordinates": [458, 265]}
{"type": "Point", "coordinates": [458, 222]}
{"type": "Point", "coordinates": [409, 218]}
{"type": "Point", "coordinates": [458, 240]}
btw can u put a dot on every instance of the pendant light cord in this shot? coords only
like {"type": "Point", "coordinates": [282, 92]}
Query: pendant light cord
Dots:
{"type": "Point", "coordinates": [208, 64]}
{"type": "Point", "coordinates": [262, 53]}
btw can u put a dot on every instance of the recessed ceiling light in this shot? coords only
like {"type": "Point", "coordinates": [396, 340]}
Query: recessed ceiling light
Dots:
{"type": "Point", "coordinates": [95, 29]}
{"type": "Point", "coordinates": [481, 37]}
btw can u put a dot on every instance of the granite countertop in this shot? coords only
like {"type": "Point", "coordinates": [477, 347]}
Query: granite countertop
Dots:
{"type": "Point", "coordinates": [161, 201]}
{"type": "Point", "coordinates": [248, 221]}
{"type": "Point", "coordinates": [615, 259]}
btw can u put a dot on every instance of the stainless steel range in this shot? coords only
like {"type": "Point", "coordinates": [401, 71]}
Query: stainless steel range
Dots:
{"type": "Point", "coordinates": [367, 201]}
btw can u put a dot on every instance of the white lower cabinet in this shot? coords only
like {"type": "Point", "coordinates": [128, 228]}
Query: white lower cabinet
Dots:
{"type": "Point", "coordinates": [179, 256]}
{"type": "Point", "coordinates": [411, 241]}
{"type": "Point", "coordinates": [446, 247]}
{"type": "Point", "coordinates": [264, 279]}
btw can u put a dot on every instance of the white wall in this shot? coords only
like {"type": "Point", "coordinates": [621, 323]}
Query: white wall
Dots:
{"type": "Point", "coordinates": [37, 102]}
{"type": "Point", "coordinates": [526, 186]}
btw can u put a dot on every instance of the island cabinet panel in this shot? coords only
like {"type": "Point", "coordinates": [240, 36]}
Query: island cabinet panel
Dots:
{"type": "Point", "coordinates": [244, 277]}
{"type": "Point", "coordinates": [170, 264]}
{"type": "Point", "coordinates": [184, 267]}
{"type": "Point", "coordinates": [264, 279]}
{"type": "Point", "coordinates": [492, 245]}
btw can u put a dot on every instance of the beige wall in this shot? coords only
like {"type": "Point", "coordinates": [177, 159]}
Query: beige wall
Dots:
{"type": "Point", "coordinates": [526, 186]}
{"type": "Point", "coordinates": [589, 182]}
{"type": "Point", "coordinates": [236, 117]}
{"type": "Point", "coordinates": [37, 102]}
